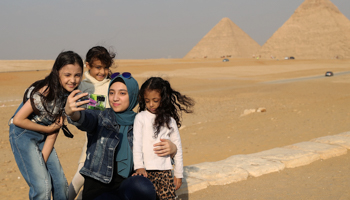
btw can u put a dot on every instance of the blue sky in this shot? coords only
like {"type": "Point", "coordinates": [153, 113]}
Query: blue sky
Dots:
{"type": "Point", "coordinates": [134, 29]}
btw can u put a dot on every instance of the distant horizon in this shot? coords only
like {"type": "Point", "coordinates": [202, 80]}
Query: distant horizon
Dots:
{"type": "Point", "coordinates": [134, 30]}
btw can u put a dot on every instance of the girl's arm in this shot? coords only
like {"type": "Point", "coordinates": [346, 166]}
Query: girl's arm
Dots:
{"type": "Point", "coordinates": [178, 169]}
{"type": "Point", "coordinates": [48, 146]}
{"type": "Point", "coordinates": [50, 141]}
{"type": "Point", "coordinates": [21, 120]}
{"type": "Point", "coordinates": [137, 143]}
{"type": "Point", "coordinates": [177, 182]}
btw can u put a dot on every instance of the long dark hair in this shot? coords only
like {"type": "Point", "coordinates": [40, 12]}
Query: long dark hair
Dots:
{"type": "Point", "coordinates": [172, 103]}
{"type": "Point", "coordinates": [53, 91]}
{"type": "Point", "coordinates": [100, 53]}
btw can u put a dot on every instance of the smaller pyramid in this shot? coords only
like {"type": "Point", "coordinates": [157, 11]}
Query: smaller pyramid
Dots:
{"type": "Point", "coordinates": [224, 39]}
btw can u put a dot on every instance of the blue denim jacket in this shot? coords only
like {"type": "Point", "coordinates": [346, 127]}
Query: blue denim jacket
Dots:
{"type": "Point", "coordinates": [102, 131]}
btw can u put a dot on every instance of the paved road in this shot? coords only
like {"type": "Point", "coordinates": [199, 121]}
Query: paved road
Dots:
{"type": "Point", "coordinates": [305, 78]}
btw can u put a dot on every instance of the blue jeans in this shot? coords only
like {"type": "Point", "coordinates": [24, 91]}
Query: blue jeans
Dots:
{"type": "Point", "coordinates": [132, 188]}
{"type": "Point", "coordinates": [41, 177]}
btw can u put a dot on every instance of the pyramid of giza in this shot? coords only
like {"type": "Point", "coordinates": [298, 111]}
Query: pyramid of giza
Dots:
{"type": "Point", "coordinates": [316, 30]}
{"type": "Point", "coordinates": [225, 39]}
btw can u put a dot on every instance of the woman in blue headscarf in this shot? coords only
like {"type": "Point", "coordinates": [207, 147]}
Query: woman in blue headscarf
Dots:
{"type": "Point", "coordinates": [109, 161]}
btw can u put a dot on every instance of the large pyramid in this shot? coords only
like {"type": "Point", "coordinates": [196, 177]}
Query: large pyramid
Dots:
{"type": "Point", "coordinates": [316, 30]}
{"type": "Point", "coordinates": [225, 39]}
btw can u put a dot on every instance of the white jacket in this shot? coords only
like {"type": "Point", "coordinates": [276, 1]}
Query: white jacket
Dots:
{"type": "Point", "coordinates": [144, 156]}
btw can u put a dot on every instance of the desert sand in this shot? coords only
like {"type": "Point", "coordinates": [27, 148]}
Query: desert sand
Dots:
{"type": "Point", "coordinates": [301, 104]}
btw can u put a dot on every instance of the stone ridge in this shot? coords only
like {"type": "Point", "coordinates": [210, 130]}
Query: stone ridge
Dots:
{"type": "Point", "coordinates": [240, 167]}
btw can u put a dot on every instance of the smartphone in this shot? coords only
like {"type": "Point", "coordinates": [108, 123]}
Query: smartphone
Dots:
{"type": "Point", "coordinates": [97, 101]}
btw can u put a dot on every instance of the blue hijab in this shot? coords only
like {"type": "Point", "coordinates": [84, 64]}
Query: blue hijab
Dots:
{"type": "Point", "coordinates": [125, 120]}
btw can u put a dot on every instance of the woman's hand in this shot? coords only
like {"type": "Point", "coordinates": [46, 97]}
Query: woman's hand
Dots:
{"type": "Point", "coordinates": [165, 147]}
{"type": "Point", "coordinates": [177, 182]}
{"type": "Point", "coordinates": [141, 172]}
{"type": "Point", "coordinates": [72, 106]}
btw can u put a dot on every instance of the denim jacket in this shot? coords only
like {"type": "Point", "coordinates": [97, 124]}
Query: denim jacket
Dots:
{"type": "Point", "coordinates": [102, 131]}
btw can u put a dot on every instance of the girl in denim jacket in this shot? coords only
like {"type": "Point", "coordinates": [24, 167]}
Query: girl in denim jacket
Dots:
{"type": "Point", "coordinates": [109, 159]}
{"type": "Point", "coordinates": [98, 61]}
{"type": "Point", "coordinates": [35, 126]}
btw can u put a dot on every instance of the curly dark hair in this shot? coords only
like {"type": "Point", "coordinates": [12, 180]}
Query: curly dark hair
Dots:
{"type": "Point", "coordinates": [101, 53]}
{"type": "Point", "coordinates": [54, 91]}
{"type": "Point", "coordinates": [172, 103]}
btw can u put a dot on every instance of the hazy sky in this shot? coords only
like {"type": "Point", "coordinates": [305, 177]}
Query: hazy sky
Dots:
{"type": "Point", "coordinates": [135, 29]}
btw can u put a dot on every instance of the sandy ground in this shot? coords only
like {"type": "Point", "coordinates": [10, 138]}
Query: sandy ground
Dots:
{"type": "Point", "coordinates": [301, 105]}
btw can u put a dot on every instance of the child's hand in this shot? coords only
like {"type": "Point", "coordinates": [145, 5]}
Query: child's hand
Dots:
{"type": "Point", "coordinates": [177, 182]}
{"type": "Point", "coordinates": [141, 172]}
{"type": "Point", "coordinates": [55, 127]}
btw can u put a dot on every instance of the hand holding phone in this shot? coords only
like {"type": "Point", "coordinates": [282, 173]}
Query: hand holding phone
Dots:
{"type": "Point", "coordinates": [84, 98]}
{"type": "Point", "coordinates": [96, 101]}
